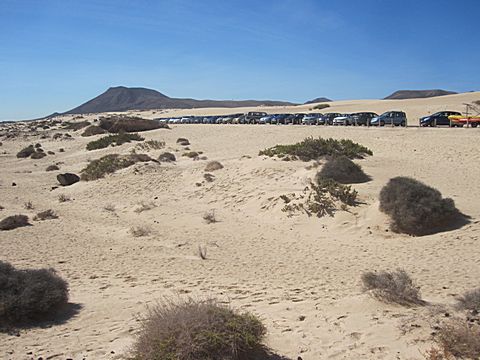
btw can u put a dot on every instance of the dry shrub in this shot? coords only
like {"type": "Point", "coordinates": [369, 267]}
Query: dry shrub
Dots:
{"type": "Point", "coordinates": [116, 124]}
{"type": "Point", "coordinates": [151, 145]}
{"type": "Point", "coordinates": [415, 208]}
{"type": "Point", "coordinates": [145, 207]}
{"type": "Point", "coordinates": [183, 141]}
{"type": "Point", "coordinates": [93, 130]}
{"type": "Point", "coordinates": [460, 339]}
{"type": "Point", "coordinates": [46, 215]}
{"type": "Point", "coordinates": [108, 164]}
{"type": "Point", "coordinates": [140, 231]}
{"type": "Point", "coordinates": [63, 198]}
{"type": "Point", "coordinates": [28, 205]}
{"type": "Point", "coordinates": [13, 222]}
{"type": "Point", "coordinates": [26, 152]}
{"type": "Point", "coordinates": [29, 295]}
{"type": "Point", "coordinates": [200, 330]}
{"type": "Point", "coordinates": [191, 154]}
{"type": "Point", "coordinates": [209, 217]}
{"type": "Point", "coordinates": [109, 208]}
{"type": "Point", "coordinates": [343, 170]}
{"type": "Point", "coordinates": [213, 165]}
{"type": "Point", "coordinates": [392, 287]}
{"type": "Point", "coordinates": [38, 155]}
{"type": "Point", "coordinates": [469, 301]}
{"type": "Point", "coordinates": [52, 168]}
{"type": "Point", "coordinates": [209, 177]}
{"type": "Point", "coordinates": [167, 157]}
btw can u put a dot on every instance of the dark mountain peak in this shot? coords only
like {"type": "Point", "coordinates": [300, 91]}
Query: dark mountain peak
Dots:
{"type": "Point", "coordinates": [121, 98]}
{"type": "Point", "coordinates": [318, 100]}
{"type": "Point", "coordinates": [417, 94]}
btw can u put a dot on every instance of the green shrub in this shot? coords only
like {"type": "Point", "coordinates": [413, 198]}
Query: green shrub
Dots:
{"type": "Point", "coordinates": [313, 149]}
{"type": "Point", "coordinates": [415, 208]}
{"type": "Point", "coordinates": [29, 295]}
{"type": "Point", "coordinates": [321, 106]}
{"type": "Point", "coordinates": [108, 164]}
{"type": "Point", "coordinates": [46, 215]}
{"type": "Point", "coordinates": [116, 124]}
{"type": "Point", "coordinates": [191, 154]}
{"type": "Point", "coordinates": [151, 145]}
{"type": "Point", "coordinates": [343, 170]}
{"type": "Point", "coordinates": [337, 191]}
{"type": "Point", "coordinates": [115, 140]}
{"type": "Point", "coordinates": [200, 330]}
{"type": "Point", "coordinates": [93, 130]}
{"type": "Point", "coordinates": [392, 287]}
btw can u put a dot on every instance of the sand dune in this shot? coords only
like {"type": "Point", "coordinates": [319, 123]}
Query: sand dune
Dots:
{"type": "Point", "coordinates": [300, 274]}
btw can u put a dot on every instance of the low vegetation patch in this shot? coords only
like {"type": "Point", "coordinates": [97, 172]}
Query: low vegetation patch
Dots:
{"type": "Point", "coordinates": [93, 130]}
{"type": "Point", "coordinates": [392, 287]}
{"type": "Point", "coordinates": [13, 222]}
{"type": "Point", "coordinates": [38, 155]}
{"type": "Point", "coordinates": [191, 154]}
{"type": "Point", "coordinates": [213, 166]}
{"type": "Point", "coordinates": [459, 339]}
{"type": "Point", "coordinates": [63, 198]}
{"type": "Point", "coordinates": [46, 215]}
{"type": "Point", "coordinates": [201, 330]}
{"type": "Point", "coordinates": [113, 140]}
{"type": "Point", "coordinates": [343, 170]}
{"type": "Point", "coordinates": [415, 208]}
{"type": "Point", "coordinates": [108, 164]}
{"type": "Point", "coordinates": [140, 231]}
{"type": "Point", "coordinates": [183, 141]}
{"type": "Point", "coordinates": [119, 123]}
{"type": "Point", "coordinates": [76, 125]}
{"type": "Point", "coordinates": [167, 157]}
{"type": "Point", "coordinates": [26, 152]}
{"type": "Point", "coordinates": [151, 145]}
{"type": "Point", "coordinates": [469, 301]}
{"type": "Point", "coordinates": [52, 168]}
{"type": "Point", "coordinates": [29, 295]}
{"type": "Point", "coordinates": [209, 217]}
{"type": "Point", "coordinates": [313, 149]}
{"type": "Point", "coordinates": [321, 106]}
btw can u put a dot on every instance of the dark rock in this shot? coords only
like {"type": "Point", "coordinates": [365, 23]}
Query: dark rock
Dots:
{"type": "Point", "coordinates": [67, 179]}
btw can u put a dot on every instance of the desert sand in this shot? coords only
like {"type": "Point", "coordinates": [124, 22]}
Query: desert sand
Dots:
{"type": "Point", "coordinates": [299, 274]}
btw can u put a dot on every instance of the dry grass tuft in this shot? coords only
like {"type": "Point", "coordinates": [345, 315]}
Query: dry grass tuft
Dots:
{"type": "Point", "coordinates": [460, 339]}
{"type": "Point", "coordinates": [200, 330]}
{"type": "Point", "coordinates": [209, 217]}
{"type": "Point", "coordinates": [63, 198]}
{"type": "Point", "coordinates": [151, 145]}
{"type": "Point", "coordinates": [28, 205]}
{"type": "Point", "coordinates": [392, 287]}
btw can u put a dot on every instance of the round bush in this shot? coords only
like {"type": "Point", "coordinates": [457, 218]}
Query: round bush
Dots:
{"type": "Point", "coordinates": [93, 130]}
{"type": "Point", "coordinates": [213, 165]}
{"type": "Point", "coordinates": [29, 295]}
{"type": "Point", "coordinates": [343, 170]}
{"type": "Point", "coordinates": [201, 330]}
{"type": "Point", "coordinates": [167, 157]}
{"type": "Point", "coordinates": [415, 208]}
{"type": "Point", "coordinates": [13, 222]}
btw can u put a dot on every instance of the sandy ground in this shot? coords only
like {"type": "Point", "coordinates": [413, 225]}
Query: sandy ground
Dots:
{"type": "Point", "coordinates": [301, 275]}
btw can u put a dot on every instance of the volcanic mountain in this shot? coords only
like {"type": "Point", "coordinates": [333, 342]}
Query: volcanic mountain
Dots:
{"type": "Point", "coordinates": [417, 94]}
{"type": "Point", "coordinates": [318, 100]}
{"type": "Point", "coordinates": [122, 98]}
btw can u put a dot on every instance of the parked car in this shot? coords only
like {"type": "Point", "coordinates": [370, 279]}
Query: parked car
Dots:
{"type": "Point", "coordinates": [343, 119]}
{"type": "Point", "coordinates": [280, 118]}
{"type": "Point", "coordinates": [266, 119]}
{"type": "Point", "coordinates": [311, 119]}
{"type": "Point", "coordinates": [439, 118]}
{"type": "Point", "coordinates": [397, 118]}
{"type": "Point", "coordinates": [363, 118]}
{"type": "Point", "coordinates": [253, 117]}
{"type": "Point", "coordinates": [328, 118]}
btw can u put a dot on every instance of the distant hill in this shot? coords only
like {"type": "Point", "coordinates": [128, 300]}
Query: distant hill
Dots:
{"type": "Point", "coordinates": [318, 100]}
{"type": "Point", "coordinates": [122, 98]}
{"type": "Point", "coordinates": [417, 94]}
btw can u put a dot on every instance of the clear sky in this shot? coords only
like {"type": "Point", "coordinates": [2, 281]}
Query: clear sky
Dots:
{"type": "Point", "coordinates": [57, 54]}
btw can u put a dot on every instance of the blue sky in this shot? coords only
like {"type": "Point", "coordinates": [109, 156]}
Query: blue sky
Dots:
{"type": "Point", "coordinates": [56, 54]}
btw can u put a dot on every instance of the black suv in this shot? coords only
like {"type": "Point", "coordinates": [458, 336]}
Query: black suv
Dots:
{"type": "Point", "coordinates": [362, 118]}
{"type": "Point", "coordinates": [439, 118]}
